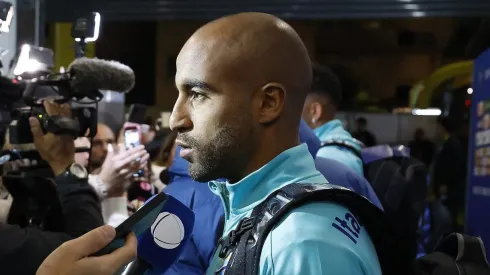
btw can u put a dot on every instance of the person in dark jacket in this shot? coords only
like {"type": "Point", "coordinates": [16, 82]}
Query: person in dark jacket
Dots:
{"type": "Point", "coordinates": [208, 208]}
{"type": "Point", "coordinates": [421, 147]}
{"type": "Point", "coordinates": [363, 134]}
{"type": "Point", "coordinates": [22, 250]}
{"type": "Point", "coordinates": [448, 171]}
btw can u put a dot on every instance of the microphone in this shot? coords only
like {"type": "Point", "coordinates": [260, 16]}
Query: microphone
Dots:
{"type": "Point", "coordinates": [89, 74]}
{"type": "Point", "coordinates": [160, 246]}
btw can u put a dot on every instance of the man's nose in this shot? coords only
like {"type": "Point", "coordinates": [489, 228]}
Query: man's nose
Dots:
{"type": "Point", "coordinates": [179, 119]}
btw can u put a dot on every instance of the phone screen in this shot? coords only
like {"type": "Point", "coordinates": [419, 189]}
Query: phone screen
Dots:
{"type": "Point", "coordinates": [132, 139]}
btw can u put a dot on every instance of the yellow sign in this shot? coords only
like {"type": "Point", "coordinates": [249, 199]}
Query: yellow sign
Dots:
{"type": "Point", "coordinates": [458, 70]}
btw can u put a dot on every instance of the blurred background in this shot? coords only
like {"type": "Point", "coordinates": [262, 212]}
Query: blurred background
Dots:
{"type": "Point", "coordinates": [406, 72]}
{"type": "Point", "coordinates": [391, 55]}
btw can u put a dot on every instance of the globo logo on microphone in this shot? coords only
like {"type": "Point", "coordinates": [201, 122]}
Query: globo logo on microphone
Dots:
{"type": "Point", "coordinates": [167, 230]}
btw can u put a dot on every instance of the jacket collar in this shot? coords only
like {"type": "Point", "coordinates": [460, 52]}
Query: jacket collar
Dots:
{"type": "Point", "coordinates": [294, 165]}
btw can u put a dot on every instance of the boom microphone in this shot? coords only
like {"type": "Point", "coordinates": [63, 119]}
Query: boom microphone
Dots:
{"type": "Point", "coordinates": [90, 74]}
{"type": "Point", "coordinates": [160, 246]}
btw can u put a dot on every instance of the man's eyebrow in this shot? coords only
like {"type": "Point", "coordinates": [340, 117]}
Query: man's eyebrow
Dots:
{"type": "Point", "coordinates": [193, 83]}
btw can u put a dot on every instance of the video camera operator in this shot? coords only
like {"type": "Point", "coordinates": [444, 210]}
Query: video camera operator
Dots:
{"type": "Point", "coordinates": [24, 249]}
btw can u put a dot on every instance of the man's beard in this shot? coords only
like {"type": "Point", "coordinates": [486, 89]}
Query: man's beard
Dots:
{"type": "Point", "coordinates": [225, 155]}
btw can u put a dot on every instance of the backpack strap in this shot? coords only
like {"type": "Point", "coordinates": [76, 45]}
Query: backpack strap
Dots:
{"type": "Point", "coordinates": [220, 229]}
{"type": "Point", "coordinates": [437, 263]}
{"type": "Point", "coordinates": [456, 254]}
{"type": "Point", "coordinates": [246, 241]}
{"type": "Point", "coordinates": [342, 144]}
{"type": "Point", "coordinates": [474, 251]}
{"type": "Point", "coordinates": [463, 248]}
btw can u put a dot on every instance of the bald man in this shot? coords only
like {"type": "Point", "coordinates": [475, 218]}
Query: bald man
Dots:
{"type": "Point", "coordinates": [242, 84]}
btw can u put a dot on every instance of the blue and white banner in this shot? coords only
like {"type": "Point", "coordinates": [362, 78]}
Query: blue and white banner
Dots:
{"type": "Point", "coordinates": [478, 192]}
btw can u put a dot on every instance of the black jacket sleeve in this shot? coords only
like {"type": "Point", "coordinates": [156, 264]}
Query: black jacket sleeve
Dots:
{"type": "Point", "coordinates": [22, 250]}
{"type": "Point", "coordinates": [81, 207]}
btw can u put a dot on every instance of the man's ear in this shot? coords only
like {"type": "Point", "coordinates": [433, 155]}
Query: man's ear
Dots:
{"type": "Point", "coordinates": [272, 101]}
{"type": "Point", "coordinates": [316, 110]}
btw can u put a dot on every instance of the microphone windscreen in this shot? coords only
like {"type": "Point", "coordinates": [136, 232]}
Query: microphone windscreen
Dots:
{"type": "Point", "coordinates": [161, 245]}
{"type": "Point", "coordinates": [94, 73]}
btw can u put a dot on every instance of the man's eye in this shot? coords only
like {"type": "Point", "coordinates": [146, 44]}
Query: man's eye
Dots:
{"type": "Point", "coordinates": [196, 95]}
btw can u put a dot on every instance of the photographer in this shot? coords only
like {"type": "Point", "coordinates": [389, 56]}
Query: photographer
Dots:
{"type": "Point", "coordinates": [24, 249]}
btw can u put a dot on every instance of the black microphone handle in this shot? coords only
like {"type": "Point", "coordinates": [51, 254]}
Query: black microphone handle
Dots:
{"type": "Point", "coordinates": [137, 267]}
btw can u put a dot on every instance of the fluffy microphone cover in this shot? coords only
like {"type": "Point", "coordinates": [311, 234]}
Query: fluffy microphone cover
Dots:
{"type": "Point", "coordinates": [94, 73]}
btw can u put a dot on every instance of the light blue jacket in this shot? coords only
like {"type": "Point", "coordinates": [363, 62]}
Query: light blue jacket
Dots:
{"type": "Point", "coordinates": [334, 130]}
{"type": "Point", "coordinates": [315, 239]}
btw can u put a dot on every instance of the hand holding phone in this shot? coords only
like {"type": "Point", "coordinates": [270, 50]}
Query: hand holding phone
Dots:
{"type": "Point", "coordinates": [116, 171]}
{"type": "Point", "coordinates": [132, 139]}
{"type": "Point", "coordinates": [163, 226]}
{"type": "Point", "coordinates": [137, 223]}
{"type": "Point", "coordinates": [73, 257]}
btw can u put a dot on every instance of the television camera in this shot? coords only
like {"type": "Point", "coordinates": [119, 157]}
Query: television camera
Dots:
{"type": "Point", "coordinates": [36, 202]}
{"type": "Point", "coordinates": [81, 84]}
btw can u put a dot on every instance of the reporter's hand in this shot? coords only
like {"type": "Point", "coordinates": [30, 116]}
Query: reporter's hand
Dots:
{"type": "Point", "coordinates": [73, 257]}
{"type": "Point", "coordinates": [58, 151]}
{"type": "Point", "coordinates": [119, 167]}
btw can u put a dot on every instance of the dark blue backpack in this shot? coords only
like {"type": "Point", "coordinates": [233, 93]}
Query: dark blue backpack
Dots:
{"type": "Point", "coordinates": [400, 183]}
{"type": "Point", "coordinates": [455, 254]}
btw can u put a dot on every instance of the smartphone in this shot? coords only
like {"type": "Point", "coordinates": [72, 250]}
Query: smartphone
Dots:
{"type": "Point", "coordinates": [132, 138]}
{"type": "Point", "coordinates": [137, 113]}
{"type": "Point", "coordinates": [138, 223]}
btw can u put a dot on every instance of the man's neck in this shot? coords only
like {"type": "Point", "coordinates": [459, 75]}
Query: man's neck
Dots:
{"type": "Point", "coordinates": [266, 152]}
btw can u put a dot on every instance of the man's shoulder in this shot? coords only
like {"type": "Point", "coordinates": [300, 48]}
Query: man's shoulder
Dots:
{"type": "Point", "coordinates": [329, 231]}
{"type": "Point", "coordinates": [321, 219]}
{"type": "Point", "coordinates": [342, 155]}
{"type": "Point", "coordinates": [335, 151]}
